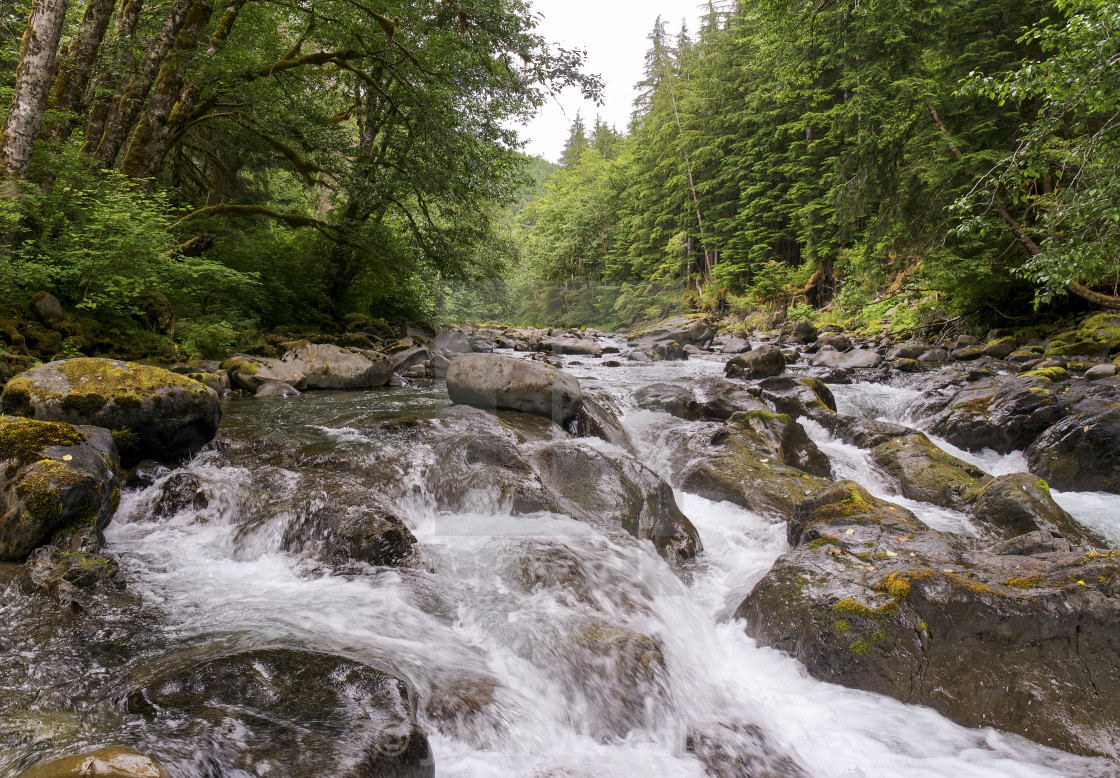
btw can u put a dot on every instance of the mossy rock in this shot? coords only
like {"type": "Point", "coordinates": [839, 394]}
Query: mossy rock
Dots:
{"type": "Point", "coordinates": [53, 477]}
{"type": "Point", "coordinates": [869, 597]}
{"type": "Point", "coordinates": [1053, 374]}
{"type": "Point", "coordinates": [113, 762]}
{"type": "Point", "coordinates": [922, 471]}
{"type": "Point", "coordinates": [1081, 348]}
{"type": "Point", "coordinates": [170, 415]}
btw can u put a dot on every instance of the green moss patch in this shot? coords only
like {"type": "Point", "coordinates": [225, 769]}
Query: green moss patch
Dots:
{"type": "Point", "coordinates": [24, 439]}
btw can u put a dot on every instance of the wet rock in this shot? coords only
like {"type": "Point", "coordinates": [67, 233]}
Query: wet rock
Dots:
{"type": "Point", "coordinates": [1018, 504]}
{"type": "Point", "coordinates": [1080, 453]}
{"type": "Point", "coordinates": [805, 331]}
{"type": "Point", "coordinates": [46, 308]}
{"type": "Point", "coordinates": [315, 714]}
{"type": "Point", "coordinates": [53, 476]}
{"type": "Point", "coordinates": [965, 354]}
{"type": "Point", "coordinates": [66, 572]}
{"type": "Point", "coordinates": [908, 351]}
{"type": "Point", "coordinates": [755, 461]}
{"type": "Point", "coordinates": [856, 358]}
{"type": "Point", "coordinates": [595, 420]}
{"type": "Point", "coordinates": [330, 367]}
{"type": "Point", "coordinates": [723, 399]}
{"type": "Point", "coordinates": [1003, 413]}
{"type": "Point", "coordinates": [111, 762]}
{"type": "Point", "coordinates": [735, 346]}
{"type": "Point", "coordinates": [922, 471]}
{"type": "Point", "coordinates": [615, 491]}
{"type": "Point", "coordinates": [1098, 372]}
{"type": "Point", "coordinates": [182, 491]}
{"type": "Point", "coordinates": [277, 389]}
{"type": "Point", "coordinates": [860, 431]}
{"type": "Point", "coordinates": [762, 362]}
{"type": "Point", "coordinates": [870, 598]}
{"type": "Point", "coordinates": [935, 355]}
{"type": "Point", "coordinates": [582, 347]}
{"type": "Point", "coordinates": [674, 399]}
{"type": "Point", "coordinates": [491, 382]}
{"type": "Point", "coordinates": [682, 330]}
{"type": "Point", "coordinates": [370, 534]}
{"type": "Point", "coordinates": [741, 751]}
{"type": "Point", "coordinates": [249, 373]}
{"type": "Point", "coordinates": [798, 396]}
{"type": "Point", "coordinates": [154, 413]}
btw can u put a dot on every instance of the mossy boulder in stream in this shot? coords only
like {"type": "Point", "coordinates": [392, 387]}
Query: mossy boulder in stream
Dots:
{"type": "Point", "coordinates": [1003, 413]}
{"type": "Point", "coordinates": [493, 382]}
{"type": "Point", "coordinates": [331, 367]}
{"type": "Point", "coordinates": [53, 477]}
{"type": "Point", "coordinates": [1020, 503]}
{"type": "Point", "coordinates": [922, 471]}
{"type": "Point", "coordinates": [870, 598]}
{"type": "Point", "coordinates": [313, 714]}
{"type": "Point", "coordinates": [1081, 452]}
{"type": "Point", "coordinates": [153, 413]}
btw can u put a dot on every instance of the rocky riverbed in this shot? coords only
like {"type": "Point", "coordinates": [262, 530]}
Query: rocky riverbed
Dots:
{"type": "Point", "coordinates": [568, 553]}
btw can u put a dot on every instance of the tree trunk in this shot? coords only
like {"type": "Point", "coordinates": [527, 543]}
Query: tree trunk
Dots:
{"type": "Point", "coordinates": [76, 67]}
{"type": "Point", "coordinates": [33, 77]}
{"type": "Point", "coordinates": [108, 79]}
{"type": "Point", "coordinates": [126, 108]}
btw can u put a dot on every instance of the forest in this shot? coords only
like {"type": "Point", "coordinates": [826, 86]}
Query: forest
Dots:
{"type": "Point", "coordinates": [207, 170]}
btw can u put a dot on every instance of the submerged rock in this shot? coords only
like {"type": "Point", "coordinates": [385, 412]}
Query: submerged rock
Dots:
{"type": "Point", "coordinates": [53, 476]}
{"type": "Point", "coordinates": [674, 399]}
{"type": "Point", "coordinates": [595, 420]}
{"type": "Point", "coordinates": [869, 597]}
{"type": "Point", "coordinates": [315, 714]}
{"type": "Point", "coordinates": [154, 413]}
{"type": "Point", "coordinates": [111, 762]}
{"type": "Point", "coordinates": [369, 534]}
{"type": "Point", "coordinates": [492, 382]}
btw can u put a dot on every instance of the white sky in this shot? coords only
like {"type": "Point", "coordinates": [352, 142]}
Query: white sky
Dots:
{"type": "Point", "coordinates": [614, 34]}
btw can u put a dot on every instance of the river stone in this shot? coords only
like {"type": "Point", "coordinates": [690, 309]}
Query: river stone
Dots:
{"type": "Point", "coordinates": [856, 358]}
{"type": "Point", "coordinates": [762, 362]}
{"type": "Point", "coordinates": [331, 367]}
{"type": "Point", "coordinates": [46, 308]}
{"type": "Point", "coordinates": [371, 534]}
{"type": "Point", "coordinates": [722, 399]}
{"type": "Point", "coordinates": [838, 342]}
{"type": "Point", "coordinates": [581, 347]}
{"type": "Point", "coordinates": [683, 330]}
{"type": "Point", "coordinates": [798, 397]}
{"type": "Point", "coordinates": [492, 382]}
{"type": "Point", "coordinates": [674, 399]}
{"type": "Point", "coordinates": [614, 490]}
{"type": "Point", "coordinates": [1080, 453]}
{"type": "Point", "coordinates": [1020, 503]}
{"type": "Point", "coordinates": [111, 762]}
{"type": "Point", "coordinates": [860, 431]}
{"type": "Point", "coordinates": [908, 351]}
{"type": "Point", "coordinates": [315, 714]}
{"type": "Point", "coordinates": [408, 358]}
{"type": "Point", "coordinates": [921, 471]}
{"type": "Point", "coordinates": [53, 476]}
{"type": "Point", "coordinates": [1098, 372]}
{"type": "Point", "coordinates": [276, 389]}
{"type": "Point", "coordinates": [154, 413]}
{"type": "Point", "coordinates": [1003, 413]}
{"type": "Point", "coordinates": [594, 420]}
{"type": "Point", "coordinates": [1026, 644]}
{"type": "Point", "coordinates": [755, 461]}
{"type": "Point", "coordinates": [735, 346]}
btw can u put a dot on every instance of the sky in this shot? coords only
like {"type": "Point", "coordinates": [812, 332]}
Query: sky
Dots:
{"type": "Point", "coordinates": [614, 34]}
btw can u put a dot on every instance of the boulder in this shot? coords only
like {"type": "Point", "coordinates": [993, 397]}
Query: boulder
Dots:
{"type": "Point", "coordinates": [735, 346]}
{"type": "Point", "coordinates": [276, 389]}
{"type": "Point", "coordinates": [856, 358]}
{"type": "Point", "coordinates": [798, 397]}
{"type": "Point", "coordinates": [1003, 413]}
{"type": "Point", "coordinates": [1098, 372]}
{"type": "Point", "coordinates": [54, 477]}
{"type": "Point", "coordinates": [316, 714]}
{"type": "Point", "coordinates": [869, 597]}
{"type": "Point", "coordinates": [838, 342]}
{"type": "Point", "coordinates": [723, 399]}
{"type": "Point", "coordinates": [1081, 452]}
{"type": "Point", "coordinates": [674, 399]}
{"type": "Point", "coordinates": [1020, 503]}
{"type": "Point", "coordinates": [965, 354]}
{"type": "Point", "coordinates": [581, 347]}
{"type": "Point", "coordinates": [371, 534]}
{"type": "Point", "coordinates": [683, 330]}
{"type": "Point", "coordinates": [46, 308]}
{"type": "Point", "coordinates": [111, 762]}
{"type": "Point", "coordinates": [249, 373]}
{"type": "Point", "coordinates": [493, 382]}
{"type": "Point", "coordinates": [922, 471]}
{"type": "Point", "coordinates": [330, 367]}
{"type": "Point", "coordinates": [615, 491]}
{"type": "Point", "coordinates": [762, 461]}
{"type": "Point", "coordinates": [405, 359]}
{"type": "Point", "coordinates": [805, 331]}
{"type": "Point", "coordinates": [908, 351]}
{"type": "Point", "coordinates": [595, 420]}
{"type": "Point", "coordinates": [860, 431]}
{"type": "Point", "coordinates": [154, 413]}
{"type": "Point", "coordinates": [762, 362]}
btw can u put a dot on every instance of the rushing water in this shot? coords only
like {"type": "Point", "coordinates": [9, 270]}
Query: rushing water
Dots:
{"type": "Point", "coordinates": [461, 628]}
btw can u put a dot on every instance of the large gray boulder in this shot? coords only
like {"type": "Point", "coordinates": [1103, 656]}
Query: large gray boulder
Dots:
{"type": "Point", "coordinates": [763, 362]}
{"type": "Point", "coordinates": [856, 358]}
{"type": "Point", "coordinates": [154, 413]}
{"type": "Point", "coordinates": [46, 308]}
{"type": "Point", "coordinates": [53, 477]}
{"type": "Point", "coordinates": [578, 346]}
{"type": "Point", "coordinates": [492, 382]}
{"type": "Point", "coordinates": [1020, 503]}
{"type": "Point", "coordinates": [330, 367]}
{"type": "Point", "coordinates": [250, 373]}
{"type": "Point", "coordinates": [453, 341]}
